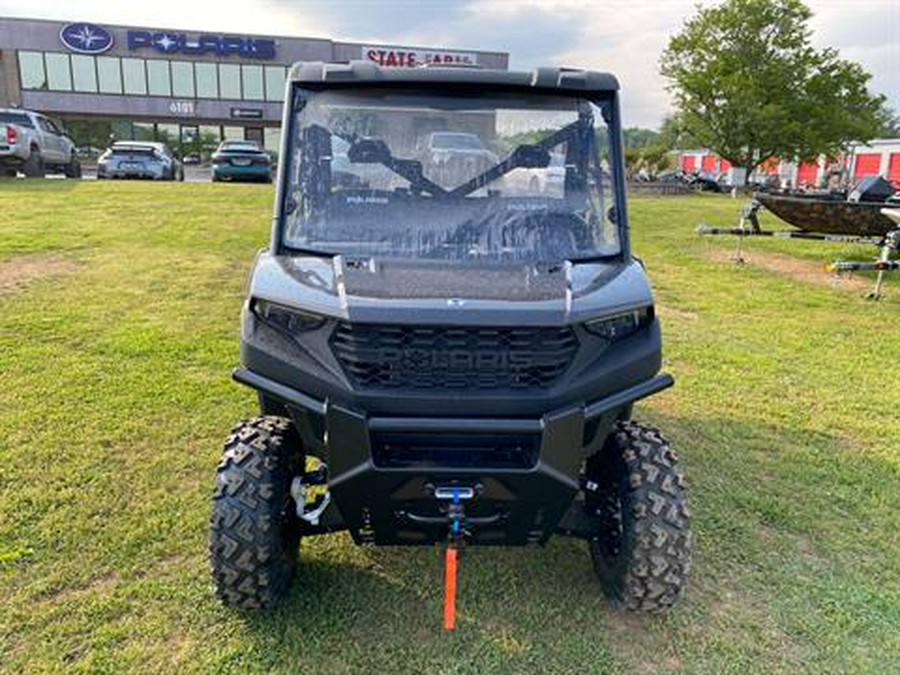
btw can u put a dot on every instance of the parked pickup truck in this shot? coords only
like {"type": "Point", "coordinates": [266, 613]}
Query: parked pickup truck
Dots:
{"type": "Point", "coordinates": [35, 145]}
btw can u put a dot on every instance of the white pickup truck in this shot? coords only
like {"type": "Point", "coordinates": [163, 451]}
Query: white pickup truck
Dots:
{"type": "Point", "coordinates": [35, 145]}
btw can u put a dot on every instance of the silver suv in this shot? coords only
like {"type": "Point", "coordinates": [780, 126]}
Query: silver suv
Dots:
{"type": "Point", "coordinates": [34, 144]}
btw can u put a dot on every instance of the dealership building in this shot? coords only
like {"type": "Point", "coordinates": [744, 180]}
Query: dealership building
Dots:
{"type": "Point", "coordinates": [170, 84]}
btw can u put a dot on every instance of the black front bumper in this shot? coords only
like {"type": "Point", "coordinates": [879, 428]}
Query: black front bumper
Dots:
{"type": "Point", "coordinates": [384, 471]}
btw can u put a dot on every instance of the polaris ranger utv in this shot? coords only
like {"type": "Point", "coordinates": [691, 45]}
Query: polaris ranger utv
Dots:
{"type": "Point", "coordinates": [443, 355]}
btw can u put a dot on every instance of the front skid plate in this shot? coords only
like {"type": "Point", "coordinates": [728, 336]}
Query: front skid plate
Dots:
{"type": "Point", "coordinates": [396, 505]}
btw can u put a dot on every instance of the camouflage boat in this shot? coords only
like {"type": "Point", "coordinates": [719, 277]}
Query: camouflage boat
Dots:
{"type": "Point", "coordinates": [829, 216]}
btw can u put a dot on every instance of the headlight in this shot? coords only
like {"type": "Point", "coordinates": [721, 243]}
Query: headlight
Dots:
{"type": "Point", "coordinates": [618, 326]}
{"type": "Point", "coordinates": [289, 321]}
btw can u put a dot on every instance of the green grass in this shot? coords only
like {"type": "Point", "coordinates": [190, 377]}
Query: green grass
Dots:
{"type": "Point", "coordinates": [116, 395]}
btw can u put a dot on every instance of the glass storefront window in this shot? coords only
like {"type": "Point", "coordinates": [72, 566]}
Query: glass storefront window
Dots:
{"type": "Point", "coordinates": [253, 83]}
{"type": "Point", "coordinates": [143, 131]}
{"type": "Point", "coordinates": [135, 77]}
{"type": "Point", "coordinates": [59, 77]}
{"type": "Point", "coordinates": [110, 75]}
{"type": "Point", "coordinates": [183, 79]}
{"type": "Point", "coordinates": [170, 134]}
{"type": "Point", "coordinates": [158, 81]}
{"type": "Point", "coordinates": [233, 133]}
{"type": "Point", "coordinates": [31, 70]}
{"type": "Point", "coordinates": [230, 81]}
{"type": "Point", "coordinates": [207, 80]}
{"type": "Point", "coordinates": [121, 130]}
{"type": "Point", "coordinates": [272, 136]}
{"type": "Point", "coordinates": [84, 73]}
{"type": "Point", "coordinates": [275, 78]}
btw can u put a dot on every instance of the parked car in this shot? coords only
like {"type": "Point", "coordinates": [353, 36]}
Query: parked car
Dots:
{"type": "Point", "coordinates": [139, 159]}
{"type": "Point", "coordinates": [540, 182]}
{"type": "Point", "coordinates": [452, 157]}
{"type": "Point", "coordinates": [35, 144]}
{"type": "Point", "coordinates": [703, 181]}
{"type": "Point", "coordinates": [88, 151]}
{"type": "Point", "coordinates": [241, 160]}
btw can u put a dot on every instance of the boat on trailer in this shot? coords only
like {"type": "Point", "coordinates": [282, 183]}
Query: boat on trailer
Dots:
{"type": "Point", "coordinates": [869, 215]}
{"type": "Point", "coordinates": [829, 215]}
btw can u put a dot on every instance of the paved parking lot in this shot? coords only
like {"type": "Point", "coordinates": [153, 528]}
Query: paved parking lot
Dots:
{"type": "Point", "coordinates": [192, 174]}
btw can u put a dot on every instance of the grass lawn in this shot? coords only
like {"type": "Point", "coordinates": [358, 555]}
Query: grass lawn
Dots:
{"type": "Point", "coordinates": [118, 329]}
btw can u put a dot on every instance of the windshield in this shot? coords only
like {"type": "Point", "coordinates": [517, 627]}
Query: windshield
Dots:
{"type": "Point", "coordinates": [240, 146]}
{"type": "Point", "coordinates": [123, 149]}
{"type": "Point", "coordinates": [15, 118]}
{"type": "Point", "coordinates": [461, 176]}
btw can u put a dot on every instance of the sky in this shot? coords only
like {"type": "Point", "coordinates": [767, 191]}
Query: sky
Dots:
{"type": "Point", "coordinates": [625, 37]}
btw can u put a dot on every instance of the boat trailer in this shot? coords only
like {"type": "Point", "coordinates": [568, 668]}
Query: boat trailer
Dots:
{"type": "Point", "coordinates": [748, 226]}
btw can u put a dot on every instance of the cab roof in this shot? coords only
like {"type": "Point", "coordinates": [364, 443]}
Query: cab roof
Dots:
{"type": "Point", "coordinates": [367, 72]}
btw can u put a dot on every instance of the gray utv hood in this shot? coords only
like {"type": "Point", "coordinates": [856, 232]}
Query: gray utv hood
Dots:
{"type": "Point", "coordinates": [399, 291]}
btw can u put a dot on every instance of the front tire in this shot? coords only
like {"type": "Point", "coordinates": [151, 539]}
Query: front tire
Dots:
{"type": "Point", "coordinates": [637, 491]}
{"type": "Point", "coordinates": [254, 533]}
{"type": "Point", "coordinates": [73, 169]}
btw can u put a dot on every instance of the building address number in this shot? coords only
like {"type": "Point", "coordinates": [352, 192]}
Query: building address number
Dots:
{"type": "Point", "coordinates": [182, 108]}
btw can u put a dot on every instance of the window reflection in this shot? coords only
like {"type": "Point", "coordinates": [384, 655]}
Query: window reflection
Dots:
{"type": "Point", "coordinates": [207, 80]}
{"type": "Point", "coordinates": [233, 133]}
{"type": "Point", "coordinates": [253, 83]}
{"type": "Point", "coordinates": [84, 75]}
{"type": "Point", "coordinates": [168, 134]}
{"type": "Point", "coordinates": [154, 77]}
{"type": "Point", "coordinates": [59, 78]}
{"type": "Point", "coordinates": [31, 70]}
{"type": "Point", "coordinates": [230, 80]}
{"type": "Point", "coordinates": [158, 83]}
{"type": "Point", "coordinates": [272, 138]}
{"type": "Point", "coordinates": [275, 83]}
{"type": "Point", "coordinates": [110, 75]}
{"type": "Point", "coordinates": [134, 76]}
{"type": "Point", "coordinates": [183, 79]}
{"type": "Point", "coordinates": [142, 131]}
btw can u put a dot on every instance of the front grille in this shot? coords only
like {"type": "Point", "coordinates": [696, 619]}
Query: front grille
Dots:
{"type": "Point", "coordinates": [458, 451]}
{"type": "Point", "coordinates": [443, 357]}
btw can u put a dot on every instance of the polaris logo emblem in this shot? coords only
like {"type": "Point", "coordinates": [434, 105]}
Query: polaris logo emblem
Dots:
{"type": "Point", "coordinates": [86, 38]}
{"type": "Point", "coordinates": [456, 360]}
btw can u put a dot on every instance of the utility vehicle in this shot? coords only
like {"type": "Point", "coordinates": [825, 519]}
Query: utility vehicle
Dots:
{"type": "Point", "coordinates": [438, 361]}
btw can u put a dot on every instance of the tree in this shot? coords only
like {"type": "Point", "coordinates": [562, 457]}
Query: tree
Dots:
{"type": "Point", "coordinates": [674, 136]}
{"type": "Point", "coordinates": [891, 127]}
{"type": "Point", "coordinates": [637, 138]}
{"type": "Point", "coordinates": [749, 85]}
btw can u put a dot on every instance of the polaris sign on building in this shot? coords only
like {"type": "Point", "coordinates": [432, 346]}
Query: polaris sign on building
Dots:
{"type": "Point", "coordinates": [175, 85]}
{"type": "Point", "coordinates": [171, 42]}
{"type": "Point", "coordinates": [86, 38]}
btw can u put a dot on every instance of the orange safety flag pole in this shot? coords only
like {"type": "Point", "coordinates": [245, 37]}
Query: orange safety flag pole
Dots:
{"type": "Point", "coordinates": [450, 588]}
